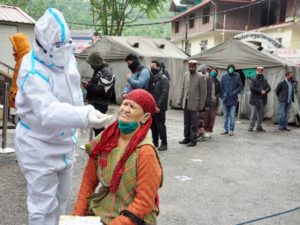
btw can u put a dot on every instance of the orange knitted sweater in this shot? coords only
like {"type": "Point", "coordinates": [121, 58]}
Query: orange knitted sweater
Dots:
{"type": "Point", "coordinates": [149, 177]}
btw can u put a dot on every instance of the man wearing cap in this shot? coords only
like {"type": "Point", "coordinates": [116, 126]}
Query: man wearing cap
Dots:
{"type": "Point", "coordinates": [259, 88]}
{"type": "Point", "coordinates": [192, 99]}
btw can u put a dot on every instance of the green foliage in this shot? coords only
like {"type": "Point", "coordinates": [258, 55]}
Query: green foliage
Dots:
{"type": "Point", "coordinates": [111, 16]}
{"type": "Point", "coordinates": [75, 11]}
{"type": "Point", "coordinates": [18, 3]}
{"type": "Point", "coordinates": [112, 21]}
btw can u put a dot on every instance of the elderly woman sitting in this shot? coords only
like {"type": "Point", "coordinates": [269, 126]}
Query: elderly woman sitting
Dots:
{"type": "Point", "coordinates": [124, 161]}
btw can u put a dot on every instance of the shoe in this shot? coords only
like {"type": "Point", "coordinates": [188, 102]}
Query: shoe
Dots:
{"type": "Point", "coordinates": [281, 128]}
{"type": "Point", "coordinates": [163, 148]}
{"type": "Point", "coordinates": [225, 132]}
{"type": "Point", "coordinates": [199, 135]}
{"type": "Point", "coordinates": [191, 144]}
{"type": "Point", "coordinates": [201, 139]}
{"type": "Point", "coordinates": [260, 129]}
{"type": "Point", "coordinates": [250, 129]}
{"type": "Point", "coordinates": [207, 135]}
{"type": "Point", "coordinates": [231, 133]}
{"type": "Point", "coordinates": [82, 147]}
{"type": "Point", "coordinates": [184, 141]}
{"type": "Point", "coordinates": [155, 144]}
{"type": "Point", "coordinates": [286, 129]}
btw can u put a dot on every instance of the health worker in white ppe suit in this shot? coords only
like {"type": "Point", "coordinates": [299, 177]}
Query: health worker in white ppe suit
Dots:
{"type": "Point", "coordinates": [50, 106]}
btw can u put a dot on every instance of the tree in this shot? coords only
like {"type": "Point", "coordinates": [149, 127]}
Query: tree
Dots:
{"type": "Point", "coordinates": [110, 16]}
{"type": "Point", "coordinates": [18, 3]}
{"type": "Point", "coordinates": [75, 11]}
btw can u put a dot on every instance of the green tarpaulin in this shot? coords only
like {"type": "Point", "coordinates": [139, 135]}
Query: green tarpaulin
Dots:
{"type": "Point", "coordinates": [249, 73]}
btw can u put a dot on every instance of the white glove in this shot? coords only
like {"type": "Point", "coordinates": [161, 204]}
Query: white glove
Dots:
{"type": "Point", "coordinates": [98, 120]}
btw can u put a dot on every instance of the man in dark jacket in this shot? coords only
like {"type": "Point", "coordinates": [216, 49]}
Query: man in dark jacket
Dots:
{"type": "Point", "coordinates": [160, 91]}
{"type": "Point", "coordinates": [285, 93]}
{"type": "Point", "coordinates": [259, 88]}
{"type": "Point", "coordinates": [101, 87]}
{"type": "Point", "coordinates": [192, 99]}
{"type": "Point", "coordinates": [231, 86]}
{"type": "Point", "coordinates": [212, 104]}
{"type": "Point", "coordinates": [204, 71]}
{"type": "Point", "coordinates": [139, 76]}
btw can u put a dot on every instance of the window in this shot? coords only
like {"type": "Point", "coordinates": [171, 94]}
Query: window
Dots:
{"type": "Point", "coordinates": [206, 15]}
{"type": "Point", "coordinates": [191, 21]}
{"type": "Point", "coordinates": [177, 27]}
{"type": "Point", "coordinates": [203, 45]}
{"type": "Point", "coordinates": [189, 48]}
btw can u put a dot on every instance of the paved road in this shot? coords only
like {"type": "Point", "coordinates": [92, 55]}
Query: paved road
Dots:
{"type": "Point", "coordinates": [223, 181]}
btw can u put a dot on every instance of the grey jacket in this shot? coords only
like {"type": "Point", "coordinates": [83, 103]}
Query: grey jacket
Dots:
{"type": "Point", "coordinates": [193, 92]}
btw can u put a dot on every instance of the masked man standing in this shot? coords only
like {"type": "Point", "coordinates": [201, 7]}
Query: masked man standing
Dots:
{"type": "Point", "coordinates": [50, 106]}
{"type": "Point", "coordinates": [139, 76]}
{"type": "Point", "coordinates": [231, 87]}
{"type": "Point", "coordinates": [192, 99]}
{"type": "Point", "coordinates": [259, 96]}
{"type": "Point", "coordinates": [159, 88]}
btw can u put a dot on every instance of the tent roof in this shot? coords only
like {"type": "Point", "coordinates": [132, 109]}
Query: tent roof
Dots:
{"type": "Point", "coordinates": [239, 53]}
{"type": "Point", "coordinates": [116, 47]}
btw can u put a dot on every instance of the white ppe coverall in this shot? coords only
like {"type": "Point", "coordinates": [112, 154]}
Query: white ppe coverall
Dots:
{"type": "Point", "coordinates": [50, 106]}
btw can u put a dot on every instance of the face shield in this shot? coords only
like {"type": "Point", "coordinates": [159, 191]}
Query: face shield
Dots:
{"type": "Point", "coordinates": [60, 53]}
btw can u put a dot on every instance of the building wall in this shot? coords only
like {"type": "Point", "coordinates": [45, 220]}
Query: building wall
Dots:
{"type": "Point", "coordinates": [28, 30]}
{"type": "Point", "coordinates": [295, 42]}
{"type": "Point", "coordinates": [198, 28]}
{"type": "Point", "coordinates": [195, 43]}
{"type": "Point", "coordinates": [242, 19]}
{"type": "Point", "coordinates": [284, 33]}
{"type": "Point", "coordinates": [6, 31]}
{"type": "Point", "coordinates": [213, 39]}
{"type": "Point", "coordinates": [6, 46]}
{"type": "Point", "coordinates": [238, 20]}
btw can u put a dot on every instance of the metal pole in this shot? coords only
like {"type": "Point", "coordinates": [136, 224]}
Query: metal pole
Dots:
{"type": "Point", "coordinates": [215, 14]}
{"type": "Point", "coordinates": [186, 38]}
{"type": "Point", "coordinates": [4, 149]}
{"type": "Point", "coordinates": [224, 24]}
{"type": "Point", "coordinates": [5, 115]}
{"type": "Point", "coordinates": [268, 19]}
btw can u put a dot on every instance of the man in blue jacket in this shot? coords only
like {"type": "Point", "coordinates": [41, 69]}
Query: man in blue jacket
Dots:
{"type": "Point", "coordinates": [139, 76]}
{"type": "Point", "coordinates": [231, 85]}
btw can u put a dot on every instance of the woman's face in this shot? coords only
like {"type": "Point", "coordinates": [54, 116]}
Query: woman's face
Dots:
{"type": "Point", "coordinates": [130, 111]}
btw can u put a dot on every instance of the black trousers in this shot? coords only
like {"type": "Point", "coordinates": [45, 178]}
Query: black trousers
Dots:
{"type": "Point", "coordinates": [190, 125]}
{"type": "Point", "coordinates": [103, 109]}
{"type": "Point", "coordinates": [159, 129]}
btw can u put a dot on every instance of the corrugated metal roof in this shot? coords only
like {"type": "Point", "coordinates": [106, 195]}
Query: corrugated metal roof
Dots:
{"type": "Point", "coordinates": [14, 15]}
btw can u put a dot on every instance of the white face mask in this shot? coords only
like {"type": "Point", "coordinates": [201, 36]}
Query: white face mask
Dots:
{"type": "Point", "coordinates": [60, 54]}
